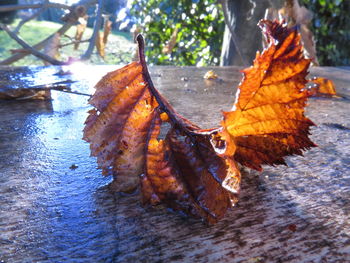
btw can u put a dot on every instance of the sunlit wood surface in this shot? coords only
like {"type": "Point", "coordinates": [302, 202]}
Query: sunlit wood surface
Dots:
{"type": "Point", "coordinates": [55, 206]}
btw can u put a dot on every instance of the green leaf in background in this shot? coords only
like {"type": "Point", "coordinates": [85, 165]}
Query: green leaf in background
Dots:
{"type": "Point", "coordinates": [200, 31]}
{"type": "Point", "coordinates": [331, 28]}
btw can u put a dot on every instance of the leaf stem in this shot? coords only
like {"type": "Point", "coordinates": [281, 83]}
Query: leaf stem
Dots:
{"type": "Point", "coordinates": [164, 105]}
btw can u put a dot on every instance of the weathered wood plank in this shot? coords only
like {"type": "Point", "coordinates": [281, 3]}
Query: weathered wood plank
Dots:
{"type": "Point", "coordinates": [52, 211]}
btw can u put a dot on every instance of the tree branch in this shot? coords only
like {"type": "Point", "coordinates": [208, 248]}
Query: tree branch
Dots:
{"type": "Point", "coordinates": [6, 8]}
{"type": "Point", "coordinates": [70, 20]}
{"type": "Point", "coordinates": [29, 48]}
{"type": "Point", "coordinates": [38, 46]}
{"type": "Point", "coordinates": [97, 27]}
{"type": "Point", "coordinates": [34, 15]}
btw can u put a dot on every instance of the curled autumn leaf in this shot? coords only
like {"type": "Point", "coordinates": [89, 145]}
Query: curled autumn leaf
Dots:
{"type": "Point", "coordinates": [180, 169]}
{"type": "Point", "coordinates": [100, 45]}
{"type": "Point", "coordinates": [267, 122]}
{"type": "Point", "coordinates": [138, 136]}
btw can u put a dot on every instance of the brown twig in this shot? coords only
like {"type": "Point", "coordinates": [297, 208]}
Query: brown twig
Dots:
{"type": "Point", "coordinates": [72, 92]}
{"type": "Point", "coordinates": [97, 26]}
{"type": "Point", "coordinates": [29, 48]}
{"type": "Point", "coordinates": [60, 86]}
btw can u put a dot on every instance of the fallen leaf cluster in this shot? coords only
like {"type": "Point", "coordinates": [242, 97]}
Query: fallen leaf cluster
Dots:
{"type": "Point", "coordinates": [139, 137]}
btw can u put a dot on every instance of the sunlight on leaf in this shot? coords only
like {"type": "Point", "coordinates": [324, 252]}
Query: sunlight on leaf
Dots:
{"type": "Point", "coordinates": [138, 136]}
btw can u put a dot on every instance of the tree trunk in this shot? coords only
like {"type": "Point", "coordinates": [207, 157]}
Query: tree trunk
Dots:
{"type": "Point", "coordinates": [244, 17]}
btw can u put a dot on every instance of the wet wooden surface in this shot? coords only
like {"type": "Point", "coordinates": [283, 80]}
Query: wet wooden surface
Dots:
{"type": "Point", "coordinates": [55, 206]}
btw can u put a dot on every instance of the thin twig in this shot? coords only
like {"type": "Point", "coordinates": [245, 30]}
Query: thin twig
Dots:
{"type": "Point", "coordinates": [30, 48]}
{"type": "Point", "coordinates": [234, 37]}
{"type": "Point", "coordinates": [97, 26]}
{"type": "Point", "coordinates": [69, 37]}
{"type": "Point", "coordinates": [72, 92]}
{"type": "Point", "coordinates": [34, 15]}
{"type": "Point", "coordinates": [74, 42]}
{"type": "Point", "coordinates": [60, 86]}
{"type": "Point", "coordinates": [54, 84]}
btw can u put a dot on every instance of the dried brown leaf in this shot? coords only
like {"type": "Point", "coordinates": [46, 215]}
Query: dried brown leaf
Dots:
{"type": "Point", "coordinates": [210, 75]}
{"type": "Point", "coordinates": [137, 136]}
{"type": "Point", "coordinates": [100, 45]}
{"type": "Point", "coordinates": [168, 48]}
{"type": "Point", "coordinates": [268, 121]}
{"type": "Point", "coordinates": [107, 27]}
{"type": "Point", "coordinates": [80, 29]}
{"type": "Point", "coordinates": [323, 87]}
{"type": "Point", "coordinates": [181, 170]}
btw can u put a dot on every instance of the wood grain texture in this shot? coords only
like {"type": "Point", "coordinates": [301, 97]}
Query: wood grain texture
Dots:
{"type": "Point", "coordinates": [52, 211]}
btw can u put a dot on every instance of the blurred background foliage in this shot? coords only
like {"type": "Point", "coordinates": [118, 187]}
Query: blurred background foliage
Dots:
{"type": "Point", "coordinates": [199, 26]}
{"type": "Point", "coordinates": [331, 28]}
{"type": "Point", "coordinates": [184, 32]}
